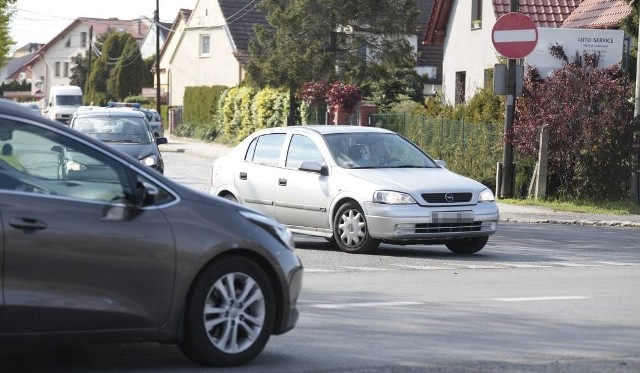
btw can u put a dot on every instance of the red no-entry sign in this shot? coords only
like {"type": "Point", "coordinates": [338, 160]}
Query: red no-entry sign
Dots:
{"type": "Point", "coordinates": [514, 35]}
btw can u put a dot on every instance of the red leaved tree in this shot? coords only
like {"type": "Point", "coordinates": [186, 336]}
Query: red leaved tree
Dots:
{"type": "Point", "coordinates": [592, 131]}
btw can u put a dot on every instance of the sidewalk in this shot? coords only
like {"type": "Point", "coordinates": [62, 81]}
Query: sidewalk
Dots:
{"type": "Point", "coordinates": [508, 212]}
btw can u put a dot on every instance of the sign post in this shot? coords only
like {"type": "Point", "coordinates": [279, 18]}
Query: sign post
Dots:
{"type": "Point", "coordinates": [514, 36]}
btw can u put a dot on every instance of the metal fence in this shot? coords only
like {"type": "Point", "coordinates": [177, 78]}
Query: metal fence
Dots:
{"type": "Point", "coordinates": [469, 148]}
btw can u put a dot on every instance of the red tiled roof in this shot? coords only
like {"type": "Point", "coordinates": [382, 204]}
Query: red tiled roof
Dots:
{"type": "Point", "coordinates": [544, 13]}
{"type": "Point", "coordinates": [598, 14]}
{"type": "Point", "coordinates": [138, 28]}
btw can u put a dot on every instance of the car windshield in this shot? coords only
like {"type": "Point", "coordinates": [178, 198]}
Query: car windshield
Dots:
{"type": "Point", "coordinates": [71, 100]}
{"type": "Point", "coordinates": [376, 150]}
{"type": "Point", "coordinates": [113, 129]}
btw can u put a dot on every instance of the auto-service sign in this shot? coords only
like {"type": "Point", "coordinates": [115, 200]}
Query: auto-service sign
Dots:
{"type": "Point", "coordinates": [514, 35]}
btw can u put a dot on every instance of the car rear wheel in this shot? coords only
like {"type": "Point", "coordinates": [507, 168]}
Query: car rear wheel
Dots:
{"type": "Point", "coordinates": [231, 198]}
{"type": "Point", "coordinates": [230, 314]}
{"type": "Point", "coordinates": [467, 245]}
{"type": "Point", "coordinates": [350, 230]}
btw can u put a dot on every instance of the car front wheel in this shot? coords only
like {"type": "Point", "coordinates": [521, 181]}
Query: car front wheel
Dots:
{"type": "Point", "coordinates": [350, 230]}
{"type": "Point", "coordinates": [467, 245]}
{"type": "Point", "coordinates": [230, 314]}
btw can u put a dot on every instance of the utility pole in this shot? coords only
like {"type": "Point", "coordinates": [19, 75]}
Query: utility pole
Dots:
{"type": "Point", "coordinates": [635, 175]}
{"type": "Point", "coordinates": [86, 82]}
{"type": "Point", "coordinates": [506, 188]}
{"type": "Point", "coordinates": [156, 21]}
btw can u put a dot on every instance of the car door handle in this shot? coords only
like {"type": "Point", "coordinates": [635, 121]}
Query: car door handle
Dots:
{"type": "Point", "coordinates": [282, 182]}
{"type": "Point", "coordinates": [27, 224]}
{"type": "Point", "coordinates": [243, 176]}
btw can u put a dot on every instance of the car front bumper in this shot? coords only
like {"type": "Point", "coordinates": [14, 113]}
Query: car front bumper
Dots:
{"type": "Point", "coordinates": [417, 223]}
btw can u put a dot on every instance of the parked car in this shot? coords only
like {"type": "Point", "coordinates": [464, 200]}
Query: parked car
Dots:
{"type": "Point", "coordinates": [125, 129]}
{"type": "Point", "coordinates": [357, 187]}
{"type": "Point", "coordinates": [132, 255]}
{"type": "Point", "coordinates": [155, 121]}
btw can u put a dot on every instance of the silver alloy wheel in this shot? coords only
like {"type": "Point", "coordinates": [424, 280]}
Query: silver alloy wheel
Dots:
{"type": "Point", "coordinates": [234, 312]}
{"type": "Point", "coordinates": [352, 227]}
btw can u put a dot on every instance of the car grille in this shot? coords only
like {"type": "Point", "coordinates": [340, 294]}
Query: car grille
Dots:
{"type": "Point", "coordinates": [447, 197]}
{"type": "Point", "coordinates": [448, 227]}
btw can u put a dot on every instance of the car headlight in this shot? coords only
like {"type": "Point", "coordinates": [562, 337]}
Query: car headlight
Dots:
{"type": "Point", "coordinates": [278, 230]}
{"type": "Point", "coordinates": [150, 160]}
{"type": "Point", "coordinates": [392, 198]}
{"type": "Point", "coordinates": [486, 196]}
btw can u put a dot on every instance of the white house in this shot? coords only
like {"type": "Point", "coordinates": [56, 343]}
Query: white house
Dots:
{"type": "Point", "coordinates": [51, 65]}
{"type": "Point", "coordinates": [213, 46]}
{"type": "Point", "coordinates": [463, 28]}
{"type": "Point", "coordinates": [167, 52]}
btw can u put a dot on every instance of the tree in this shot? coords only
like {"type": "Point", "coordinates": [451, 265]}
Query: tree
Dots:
{"type": "Point", "coordinates": [328, 40]}
{"type": "Point", "coordinates": [118, 71]}
{"type": "Point", "coordinates": [7, 9]}
{"type": "Point", "coordinates": [128, 76]}
{"type": "Point", "coordinates": [79, 70]}
{"type": "Point", "coordinates": [591, 127]}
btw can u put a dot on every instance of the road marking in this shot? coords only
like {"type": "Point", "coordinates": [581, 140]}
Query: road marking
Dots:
{"type": "Point", "coordinates": [514, 265]}
{"type": "Point", "coordinates": [540, 298]}
{"type": "Point", "coordinates": [365, 304]}
{"type": "Point", "coordinates": [565, 264]}
{"type": "Point", "coordinates": [421, 267]}
{"type": "Point", "coordinates": [367, 269]}
{"type": "Point", "coordinates": [312, 270]}
{"type": "Point", "coordinates": [620, 264]}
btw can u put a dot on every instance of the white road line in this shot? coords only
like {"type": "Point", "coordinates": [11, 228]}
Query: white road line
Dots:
{"type": "Point", "coordinates": [365, 304]}
{"type": "Point", "coordinates": [524, 265]}
{"type": "Point", "coordinates": [620, 264]}
{"type": "Point", "coordinates": [530, 299]}
{"type": "Point", "coordinates": [421, 267]}
{"type": "Point", "coordinates": [315, 270]}
{"type": "Point", "coordinates": [366, 269]}
{"type": "Point", "coordinates": [563, 264]}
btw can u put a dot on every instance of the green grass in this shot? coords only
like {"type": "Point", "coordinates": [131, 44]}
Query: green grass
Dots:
{"type": "Point", "coordinates": [596, 207]}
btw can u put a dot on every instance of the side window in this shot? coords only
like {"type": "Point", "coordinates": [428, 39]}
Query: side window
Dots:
{"type": "Point", "coordinates": [268, 148]}
{"type": "Point", "coordinates": [302, 149]}
{"type": "Point", "coordinates": [37, 160]}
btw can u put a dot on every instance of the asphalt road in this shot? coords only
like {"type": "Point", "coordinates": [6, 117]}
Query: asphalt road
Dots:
{"type": "Point", "coordinates": [538, 298]}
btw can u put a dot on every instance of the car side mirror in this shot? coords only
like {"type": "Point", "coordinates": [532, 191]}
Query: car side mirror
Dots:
{"type": "Point", "coordinates": [161, 140]}
{"type": "Point", "coordinates": [314, 166]}
{"type": "Point", "coordinates": [145, 194]}
{"type": "Point", "coordinates": [441, 163]}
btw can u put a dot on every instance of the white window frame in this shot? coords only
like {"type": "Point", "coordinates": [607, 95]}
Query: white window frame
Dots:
{"type": "Point", "coordinates": [205, 47]}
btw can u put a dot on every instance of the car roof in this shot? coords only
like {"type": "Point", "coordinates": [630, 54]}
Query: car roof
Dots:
{"type": "Point", "coordinates": [328, 129]}
{"type": "Point", "coordinates": [110, 112]}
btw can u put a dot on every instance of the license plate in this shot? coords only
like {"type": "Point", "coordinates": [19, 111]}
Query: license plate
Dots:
{"type": "Point", "coordinates": [453, 217]}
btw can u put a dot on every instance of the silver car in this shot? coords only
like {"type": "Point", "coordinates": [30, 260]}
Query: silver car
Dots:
{"type": "Point", "coordinates": [357, 187]}
{"type": "Point", "coordinates": [126, 254]}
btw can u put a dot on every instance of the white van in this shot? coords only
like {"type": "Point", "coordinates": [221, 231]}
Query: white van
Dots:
{"type": "Point", "coordinates": [64, 100]}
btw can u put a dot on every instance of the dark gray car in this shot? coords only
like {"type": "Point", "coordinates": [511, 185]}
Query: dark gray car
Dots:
{"type": "Point", "coordinates": [129, 255]}
{"type": "Point", "coordinates": [124, 129]}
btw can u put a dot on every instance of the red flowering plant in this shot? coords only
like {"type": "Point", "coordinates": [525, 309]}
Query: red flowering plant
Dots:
{"type": "Point", "coordinates": [344, 96]}
{"type": "Point", "coordinates": [314, 93]}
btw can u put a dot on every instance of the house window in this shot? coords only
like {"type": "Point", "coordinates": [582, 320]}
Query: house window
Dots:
{"type": "Point", "coordinates": [83, 39]}
{"type": "Point", "coordinates": [56, 70]}
{"type": "Point", "coordinates": [476, 14]}
{"type": "Point", "coordinates": [67, 43]}
{"type": "Point", "coordinates": [461, 77]}
{"type": "Point", "coordinates": [65, 69]}
{"type": "Point", "coordinates": [205, 45]}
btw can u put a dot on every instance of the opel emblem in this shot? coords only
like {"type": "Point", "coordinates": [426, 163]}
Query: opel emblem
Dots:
{"type": "Point", "coordinates": [448, 197]}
